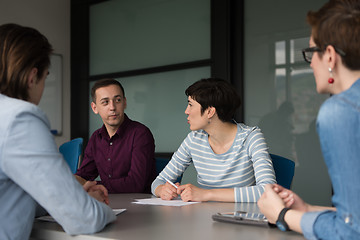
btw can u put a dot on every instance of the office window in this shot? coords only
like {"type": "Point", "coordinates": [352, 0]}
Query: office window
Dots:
{"type": "Point", "coordinates": [280, 93]}
{"type": "Point", "coordinates": [295, 86]}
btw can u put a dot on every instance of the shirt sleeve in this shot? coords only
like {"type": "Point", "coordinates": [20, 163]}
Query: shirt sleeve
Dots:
{"type": "Point", "coordinates": [180, 160]}
{"type": "Point", "coordinates": [263, 168]}
{"type": "Point", "coordinates": [32, 160]}
{"type": "Point", "coordinates": [142, 159]}
{"type": "Point", "coordinates": [307, 223]}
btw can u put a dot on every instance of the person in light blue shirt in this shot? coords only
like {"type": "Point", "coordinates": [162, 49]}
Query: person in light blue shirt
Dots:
{"type": "Point", "coordinates": [334, 54]}
{"type": "Point", "coordinates": [33, 174]}
{"type": "Point", "coordinates": [231, 159]}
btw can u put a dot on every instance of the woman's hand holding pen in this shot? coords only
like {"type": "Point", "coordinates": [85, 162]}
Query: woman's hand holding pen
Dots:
{"type": "Point", "coordinates": [167, 191]}
{"type": "Point", "coordinates": [188, 192]}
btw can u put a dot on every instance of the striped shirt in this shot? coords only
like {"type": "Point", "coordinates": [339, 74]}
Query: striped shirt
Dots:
{"type": "Point", "coordinates": [246, 166]}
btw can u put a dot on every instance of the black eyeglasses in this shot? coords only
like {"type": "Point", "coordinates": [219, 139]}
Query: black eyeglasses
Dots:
{"type": "Point", "coordinates": [309, 52]}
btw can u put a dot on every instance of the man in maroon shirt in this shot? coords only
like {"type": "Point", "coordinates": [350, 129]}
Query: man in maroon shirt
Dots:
{"type": "Point", "coordinates": [122, 150]}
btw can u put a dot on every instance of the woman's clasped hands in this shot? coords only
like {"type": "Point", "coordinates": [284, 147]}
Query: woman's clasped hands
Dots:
{"type": "Point", "coordinates": [275, 198]}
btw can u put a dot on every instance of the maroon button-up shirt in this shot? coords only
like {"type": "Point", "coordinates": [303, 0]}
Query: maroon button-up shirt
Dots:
{"type": "Point", "coordinates": [125, 162]}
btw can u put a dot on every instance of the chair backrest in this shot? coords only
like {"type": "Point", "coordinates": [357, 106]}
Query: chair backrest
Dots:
{"type": "Point", "coordinates": [284, 170]}
{"type": "Point", "coordinates": [72, 151]}
{"type": "Point", "coordinates": [161, 164]}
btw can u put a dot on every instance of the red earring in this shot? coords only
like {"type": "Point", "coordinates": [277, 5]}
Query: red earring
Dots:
{"type": "Point", "coordinates": [331, 79]}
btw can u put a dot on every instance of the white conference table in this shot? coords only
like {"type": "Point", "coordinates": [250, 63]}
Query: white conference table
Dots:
{"type": "Point", "coordinates": [167, 222]}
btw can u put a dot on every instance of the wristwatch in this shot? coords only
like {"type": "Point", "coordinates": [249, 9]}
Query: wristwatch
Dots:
{"type": "Point", "coordinates": [280, 222]}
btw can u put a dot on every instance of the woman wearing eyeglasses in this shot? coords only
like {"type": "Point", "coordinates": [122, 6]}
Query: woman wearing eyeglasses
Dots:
{"type": "Point", "coordinates": [334, 54]}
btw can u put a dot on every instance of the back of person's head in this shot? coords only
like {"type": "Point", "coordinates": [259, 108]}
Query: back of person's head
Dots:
{"type": "Point", "coordinates": [21, 50]}
{"type": "Point", "coordinates": [217, 93]}
{"type": "Point", "coordinates": [337, 23]}
{"type": "Point", "coordinates": [104, 83]}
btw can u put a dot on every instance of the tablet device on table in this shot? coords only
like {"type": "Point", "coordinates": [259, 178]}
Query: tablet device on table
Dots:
{"type": "Point", "coordinates": [240, 217]}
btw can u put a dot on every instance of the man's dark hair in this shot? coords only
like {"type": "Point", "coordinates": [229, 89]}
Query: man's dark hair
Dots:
{"type": "Point", "coordinates": [104, 83]}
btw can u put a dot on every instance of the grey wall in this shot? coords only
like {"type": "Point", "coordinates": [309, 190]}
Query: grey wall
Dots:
{"type": "Point", "coordinates": [51, 18]}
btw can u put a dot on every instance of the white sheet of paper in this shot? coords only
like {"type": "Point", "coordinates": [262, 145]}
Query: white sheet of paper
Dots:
{"type": "Point", "coordinates": [118, 211]}
{"type": "Point", "coordinates": [159, 201]}
{"type": "Point", "coordinates": [49, 218]}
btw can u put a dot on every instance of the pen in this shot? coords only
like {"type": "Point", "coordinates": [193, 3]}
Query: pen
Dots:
{"type": "Point", "coordinates": [171, 183]}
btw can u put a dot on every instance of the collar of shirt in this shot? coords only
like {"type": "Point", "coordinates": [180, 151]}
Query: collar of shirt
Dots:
{"type": "Point", "coordinates": [104, 134]}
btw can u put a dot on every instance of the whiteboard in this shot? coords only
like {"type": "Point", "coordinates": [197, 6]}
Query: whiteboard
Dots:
{"type": "Point", "coordinates": [51, 101]}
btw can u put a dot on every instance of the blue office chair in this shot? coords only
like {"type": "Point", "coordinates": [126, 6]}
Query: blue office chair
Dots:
{"type": "Point", "coordinates": [161, 164]}
{"type": "Point", "coordinates": [72, 151]}
{"type": "Point", "coordinates": [284, 170]}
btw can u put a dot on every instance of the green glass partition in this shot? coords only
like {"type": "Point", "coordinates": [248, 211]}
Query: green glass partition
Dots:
{"type": "Point", "coordinates": [136, 34]}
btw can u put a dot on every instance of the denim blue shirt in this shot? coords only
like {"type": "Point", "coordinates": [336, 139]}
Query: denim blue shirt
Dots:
{"type": "Point", "coordinates": [338, 126]}
{"type": "Point", "coordinates": [32, 172]}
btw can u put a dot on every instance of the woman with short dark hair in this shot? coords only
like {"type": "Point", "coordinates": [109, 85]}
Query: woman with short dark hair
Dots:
{"type": "Point", "coordinates": [231, 159]}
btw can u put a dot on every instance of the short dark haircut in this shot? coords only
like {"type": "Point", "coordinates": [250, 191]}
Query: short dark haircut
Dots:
{"type": "Point", "coordinates": [21, 50]}
{"type": "Point", "coordinates": [104, 83]}
{"type": "Point", "coordinates": [217, 93]}
{"type": "Point", "coordinates": [337, 23]}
